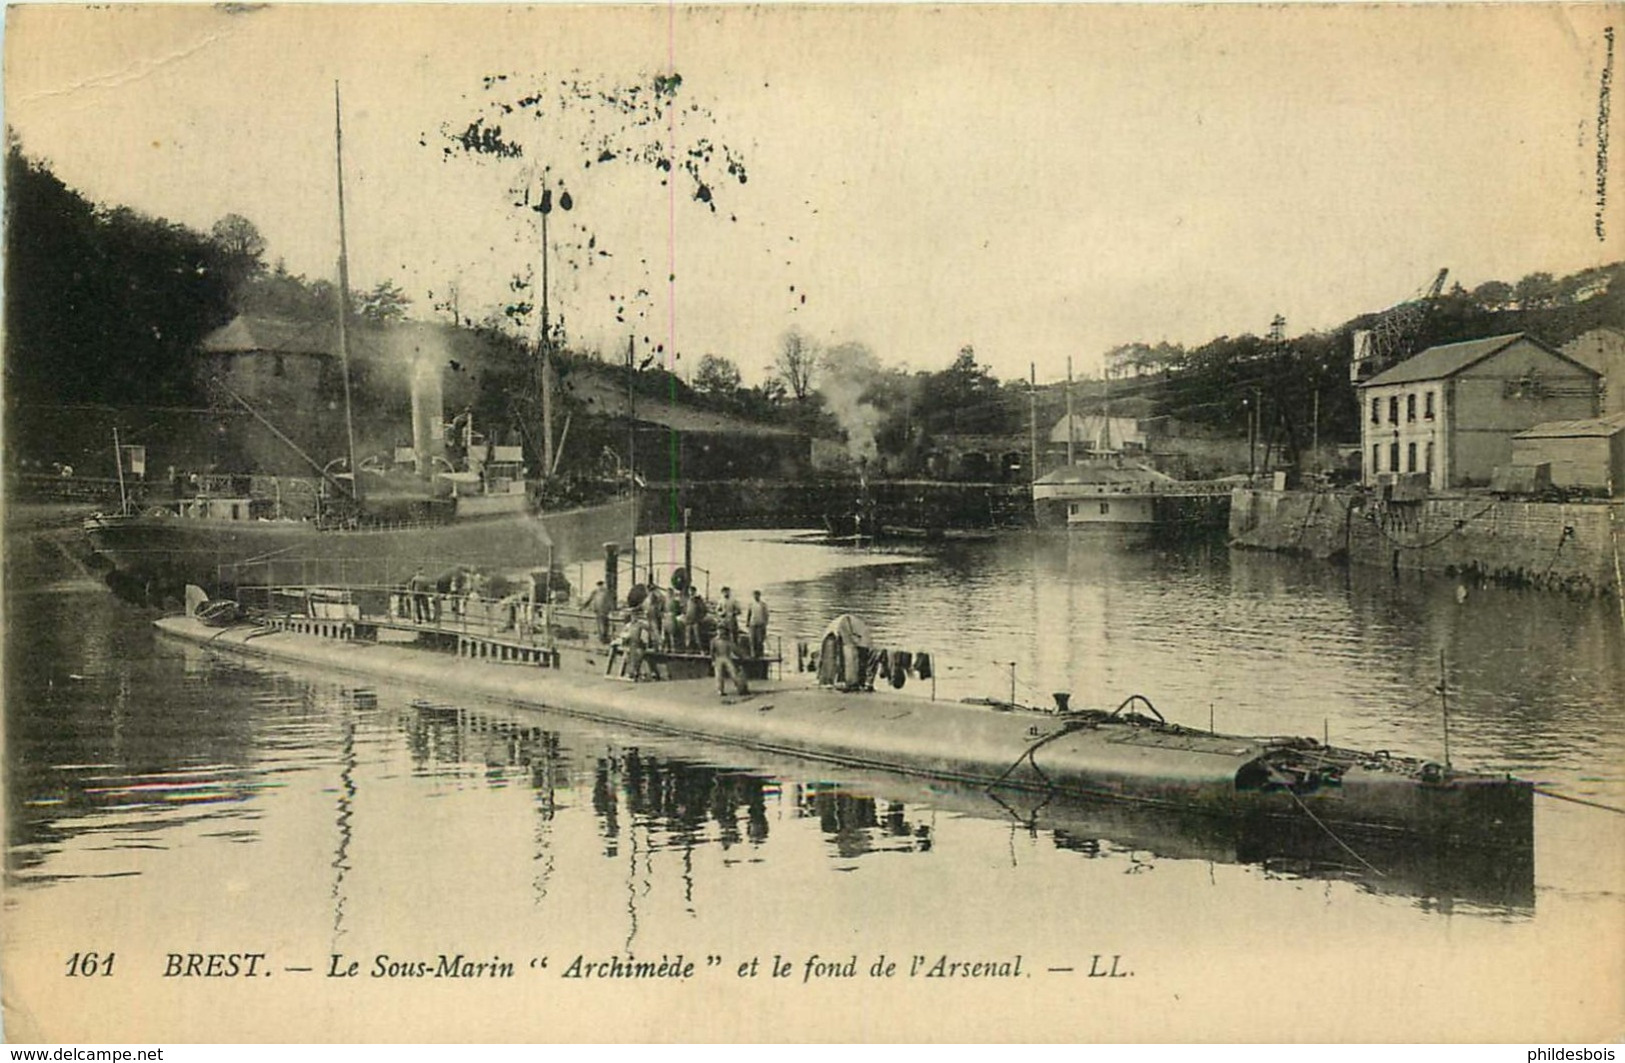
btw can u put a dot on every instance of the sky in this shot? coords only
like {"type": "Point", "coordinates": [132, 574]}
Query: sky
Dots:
{"type": "Point", "coordinates": [1040, 182]}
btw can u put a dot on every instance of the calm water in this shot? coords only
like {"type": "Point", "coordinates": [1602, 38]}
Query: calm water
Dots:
{"type": "Point", "coordinates": [166, 799]}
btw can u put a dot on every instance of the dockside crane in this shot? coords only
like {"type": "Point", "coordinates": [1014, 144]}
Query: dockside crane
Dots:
{"type": "Point", "coordinates": [1392, 336]}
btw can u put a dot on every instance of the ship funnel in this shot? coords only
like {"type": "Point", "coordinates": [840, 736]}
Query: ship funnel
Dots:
{"type": "Point", "coordinates": [428, 441]}
{"type": "Point", "coordinates": [1063, 700]}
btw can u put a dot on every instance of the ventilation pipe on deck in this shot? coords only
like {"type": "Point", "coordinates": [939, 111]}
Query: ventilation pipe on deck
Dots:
{"type": "Point", "coordinates": [612, 572]}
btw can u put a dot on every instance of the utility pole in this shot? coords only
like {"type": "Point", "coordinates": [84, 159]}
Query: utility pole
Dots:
{"type": "Point", "coordinates": [632, 444]}
{"type": "Point", "coordinates": [1253, 431]}
{"type": "Point", "coordinates": [1314, 435]}
{"type": "Point", "coordinates": [1071, 455]}
{"type": "Point", "coordinates": [1032, 395]}
{"type": "Point", "coordinates": [544, 341]}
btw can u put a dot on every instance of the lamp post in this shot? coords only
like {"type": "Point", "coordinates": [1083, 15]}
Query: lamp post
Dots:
{"type": "Point", "coordinates": [544, 338]}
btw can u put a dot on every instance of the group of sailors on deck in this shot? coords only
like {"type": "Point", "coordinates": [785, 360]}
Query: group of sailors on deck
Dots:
{"type": "Point", "coordinates": [674, 621]}
{"type": "Point", "coordinates": [681, 621]}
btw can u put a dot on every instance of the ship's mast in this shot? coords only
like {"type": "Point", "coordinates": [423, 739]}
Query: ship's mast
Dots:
{"type": "Point", "coordinates": [1071, 456]}
{"type": "Point", "coordinates": [1106, 413]}
{"type": "Point", "coordinates": [344, 299]}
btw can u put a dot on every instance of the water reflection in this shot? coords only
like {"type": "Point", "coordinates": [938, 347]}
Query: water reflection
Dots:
{"type": "Point", "coordinates": [97, 760]}
{"type": "Point", "coordinates": [856, 824]}
{"type": "Point", "coordinates": [645, 802]}
{"type": "Point", "coordinates": [124, 751]}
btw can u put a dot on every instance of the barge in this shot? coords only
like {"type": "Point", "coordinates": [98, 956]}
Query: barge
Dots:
{"type": "Point", "coordinates": [1127, 754]}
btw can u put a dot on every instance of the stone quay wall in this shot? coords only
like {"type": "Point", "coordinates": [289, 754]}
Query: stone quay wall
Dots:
{"type": "Point", "coordinates": [1570, 546]}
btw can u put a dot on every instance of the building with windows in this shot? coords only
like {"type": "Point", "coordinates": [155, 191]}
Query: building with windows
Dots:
{"type": "Point", "coordinates": [1447, 416]}
{"type": "Point", "coordinates": [1095, 433]}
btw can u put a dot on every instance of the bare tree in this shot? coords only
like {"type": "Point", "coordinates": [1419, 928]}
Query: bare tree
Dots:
{"type": "Point", "coordinates": [795, 363]}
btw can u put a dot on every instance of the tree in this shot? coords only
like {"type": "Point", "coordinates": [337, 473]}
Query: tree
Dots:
{"type": "Point", "coordinates": [103, 304]}
{"type": "Point", "coordinates": [795, 364]}
{"type": "Point", "coordinates": [384, 303]}
{"type": "Point", "coordinates": [242, 251]}
{"type": "Point", "coordinates": [1493, 295]}
{"type": "Point", "coordinates": [1535, 291]}
{"type": "Point", "coordinates": [964, 398]}
{"type": "Point", "coordinates": [237, 236]}
{"type": "Point", "coordinates": [717, 376]}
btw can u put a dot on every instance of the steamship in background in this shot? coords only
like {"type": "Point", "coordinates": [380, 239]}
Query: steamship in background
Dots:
{"type": "Point", "coordinates": [457, 495]}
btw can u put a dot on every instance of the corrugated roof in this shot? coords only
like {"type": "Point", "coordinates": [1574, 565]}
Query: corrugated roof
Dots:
{"type": "Point", "coordinates": [1602, 427]}
{"type": "Point", "coordinates": [1446, 360]}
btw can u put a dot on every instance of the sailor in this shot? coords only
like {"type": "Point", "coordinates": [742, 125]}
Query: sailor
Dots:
{"type": "Point", "coordinates": [635, 640]}
{"type": "Point", "coordinates": [654, 610]}
{"type": "Point", "coordinates": [418, 588]}
{"type": "Point", "coordinates": [728, 614]}
{"type": "Point", "coordinates": [756, 623]}
{"type": "Point", "coordinates": [673, 634]}
{"type": "Point", "coordinates": [725, 664]}
{"type": "Point", "coordinates": [693, 621]}
{"type": "Point", "coordinates": [598, 601]}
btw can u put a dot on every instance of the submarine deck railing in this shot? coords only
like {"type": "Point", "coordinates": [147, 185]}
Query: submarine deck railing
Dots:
{"type": "Point", "coordinates": [508, 628]}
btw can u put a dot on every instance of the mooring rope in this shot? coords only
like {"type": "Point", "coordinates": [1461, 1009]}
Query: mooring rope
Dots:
{"type": "Point", "coordinates": [1368, 865]}
{"type": "Point", "coordinates": [1067, 727]}
{"type": "Point", "coordinates": [1561, 539]}
{"type": "Point", "coordinates": [1303, 528]}
{"type": "Point", "coordinates": [1579, 801]}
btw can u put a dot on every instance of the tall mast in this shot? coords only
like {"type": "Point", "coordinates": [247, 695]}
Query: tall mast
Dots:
{"type": "Point", "coordinates": [344, 299]}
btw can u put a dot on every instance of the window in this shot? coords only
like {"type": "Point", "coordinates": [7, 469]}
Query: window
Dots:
{"type": "Point", "coordinates": [1106, 507]}
{"type": "Point", "coordinates": [1428, 411]}
{"type": "Point", "coordinates": [1410, 407]}
{"type": "Point", "coordinates": [1072, 509]}
{"type": "Point", "coordinates": [279, 368]}
{"type": "Point", "coordinates": [1393, 457]}
{"type": "Point", "coordinates": [1376, 411]}
{"type": "Point", "coordinates": [1429, 457]}
{"type": "Point", "coordinates": [1410, 457]}
{"type": "Point", "coordinates": [1393, 409]}
{"type": "Point", "coordinates": [1376, 458]}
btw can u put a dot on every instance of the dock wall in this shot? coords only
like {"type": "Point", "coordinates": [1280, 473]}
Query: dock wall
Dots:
{"type": "Point", "coordinates": [932, 504]}
{"type": "Point", "coordinates": [1570, 546]}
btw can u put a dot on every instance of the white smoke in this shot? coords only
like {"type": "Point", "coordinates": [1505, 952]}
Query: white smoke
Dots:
{"type": "Point", "coordinates": [848, 372]}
